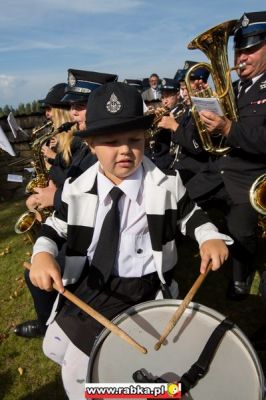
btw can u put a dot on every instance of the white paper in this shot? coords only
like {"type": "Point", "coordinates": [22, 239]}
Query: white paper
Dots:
{"type": "Point", "coordinates": [29, 169]}
{"type": "Point", "coordinates": [4, 143]}
{"type": "Point", "coordinates": [14, 126]}
{"type": "Point", "coordinates": [207, 103]}
{"type": "Point", "coordinates": [14, 178]}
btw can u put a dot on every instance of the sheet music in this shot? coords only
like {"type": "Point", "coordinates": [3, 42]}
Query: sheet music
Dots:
{"type": "Point", "coordinates": [14, 178]}
{"type": "Point", "coordinates": [207, 103]}
{"type": "Point", "coordinates": [4, 143]}
{"type": "Point", "coordinates": [14, 126]}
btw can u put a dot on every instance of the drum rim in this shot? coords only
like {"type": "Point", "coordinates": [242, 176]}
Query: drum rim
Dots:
{"type": "Point", "coordinates": [194, 306]}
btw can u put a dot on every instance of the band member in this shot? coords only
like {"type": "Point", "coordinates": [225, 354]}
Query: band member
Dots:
{"type": "Point", "coordinates": [120, 265]}
{"type": "Point", "coordinates": [185, 147]}
{"type": "Point", "coordinates": [77, 158]}
{"type": "Point", "coordinates": [229, 178]}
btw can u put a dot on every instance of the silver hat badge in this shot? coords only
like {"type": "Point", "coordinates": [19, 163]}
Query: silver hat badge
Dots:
{"type": "Point", "coordinates": [113, 105]}
{"type": "Point", "coordinates": [71, 79]}
{"type": "Point", "coordinates": [245, 21]}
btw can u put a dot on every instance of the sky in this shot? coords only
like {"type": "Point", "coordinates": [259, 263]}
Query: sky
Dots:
{"type": "Point", "coordinates": [41, 39]}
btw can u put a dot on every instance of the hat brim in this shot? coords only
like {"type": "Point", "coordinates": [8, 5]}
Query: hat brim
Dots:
{"type": "Point", "coordinates": [104, 127]}
{"type": "Point", "coordinates": [75, 98]}
{"type": "Point", "coordinates": [242, 42]}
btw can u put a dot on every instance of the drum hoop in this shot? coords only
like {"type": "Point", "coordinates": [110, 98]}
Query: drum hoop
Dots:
{"type": "Point", "coordinates": [166, 303]}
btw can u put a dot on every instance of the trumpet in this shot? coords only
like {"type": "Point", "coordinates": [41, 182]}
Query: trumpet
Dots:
{"type": "Point", "coordinates": [159, 113]}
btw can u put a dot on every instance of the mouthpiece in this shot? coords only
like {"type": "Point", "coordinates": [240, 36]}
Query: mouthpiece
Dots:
{"type": "Point", "coordinates": [241, 65]}
{"type": "Point", "coordinates": [66, 126]}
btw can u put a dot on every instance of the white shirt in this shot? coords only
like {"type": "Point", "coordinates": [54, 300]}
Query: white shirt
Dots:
{"type": "Point", "coordinates": [134, 256]}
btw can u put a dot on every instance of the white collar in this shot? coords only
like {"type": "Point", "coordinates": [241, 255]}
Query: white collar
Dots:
{"type": "Point", "coordinates": [130, 186]}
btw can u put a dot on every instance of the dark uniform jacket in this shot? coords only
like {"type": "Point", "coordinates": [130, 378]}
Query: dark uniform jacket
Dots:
{"type": "Point", "coordinates": [247, 159]}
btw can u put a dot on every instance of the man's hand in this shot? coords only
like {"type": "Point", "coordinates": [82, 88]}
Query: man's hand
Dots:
{"type": "Point", "coordinates": [168, 122]}
{"type": "Point", "coordinates": [44, 197]}
{"type": "Point", "coordinates": [215, 123]}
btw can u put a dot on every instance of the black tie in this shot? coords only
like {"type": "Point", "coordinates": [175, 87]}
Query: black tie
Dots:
{"type": "Point", "coordinates": [106, 249]}
{"type": "Point", "coordinates": [97, 273]}
{"type": "Point", "coordinates": [243, 86]}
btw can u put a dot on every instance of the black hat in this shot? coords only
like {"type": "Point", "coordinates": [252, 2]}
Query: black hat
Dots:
{"type": "Point", "coordinates": [54, 97]}
{"type": "Point", "coordinates": [82, 83]}
{"type": "Point", "coordinates": [180, 75]}
{"type": "Point", "coordinates": [114, 107]}
{"type": "Point", "coordinates": [199, 73]}
{"type": "Point", "coordinates": [250, 30]}
{"type": "Point", "coordinates": [168, 84]}
{"type": "Point", "coordinates": [137, 83]}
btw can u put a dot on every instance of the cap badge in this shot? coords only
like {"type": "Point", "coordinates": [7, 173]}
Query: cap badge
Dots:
{"type": "Point", "coordinates": [163, 82]}
{"type": "Point", "coordinates": [71, 80]}
{"type": "Point", "coordinates": [113, 105]}
{"type": "Point", "coordinates": [245, 21]}
{"type": "Point", "coordinates": [186, 65]}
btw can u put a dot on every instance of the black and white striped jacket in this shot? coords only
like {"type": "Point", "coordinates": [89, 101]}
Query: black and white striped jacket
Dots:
{"type": "Point", "coordinates": [167, 205]}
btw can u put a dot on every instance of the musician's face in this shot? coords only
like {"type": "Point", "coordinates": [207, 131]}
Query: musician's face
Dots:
{"type": "Point", "coordinates": [119, 154]}
{"type": "Point", "coordinates": [78, 113]}
{"type": "Point", "coordinates": [48, 113]}
{"type": "Point", "coordinates": [255, 59]}
{"type": "Point", "coordinates": [169, 99]}
{"type": "Point", "coordinates": [153, 82]}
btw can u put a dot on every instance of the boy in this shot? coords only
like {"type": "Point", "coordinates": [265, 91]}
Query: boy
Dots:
{"type": "Point", "coordinates": [112, 276]}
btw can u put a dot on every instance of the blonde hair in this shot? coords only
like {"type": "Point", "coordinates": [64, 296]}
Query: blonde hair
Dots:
{"type": "Point", "coordinates": [59, 117]}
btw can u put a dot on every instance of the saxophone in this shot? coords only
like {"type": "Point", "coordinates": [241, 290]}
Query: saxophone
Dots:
{"type": "Point", "coordinates": [41, 178]}
{"type": "Point", "coordinates": [30, 221]}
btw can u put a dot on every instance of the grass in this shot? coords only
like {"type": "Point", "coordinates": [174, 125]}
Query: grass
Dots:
{"type": "Point", "coordinates": [26, 374]}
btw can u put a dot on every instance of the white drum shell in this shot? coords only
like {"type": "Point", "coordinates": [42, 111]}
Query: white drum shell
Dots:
{"type": "Point", "coordinates": [234, 374]}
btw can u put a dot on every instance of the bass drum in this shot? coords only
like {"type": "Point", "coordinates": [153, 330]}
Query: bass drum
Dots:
{"type": "Point", "coordinates": [235, 371]}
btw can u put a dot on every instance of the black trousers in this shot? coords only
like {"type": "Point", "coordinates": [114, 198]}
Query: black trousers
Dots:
{"type": "Point", "coordinates": [241, 224]}
{"type": "Point", "coordinates": [43, 301]}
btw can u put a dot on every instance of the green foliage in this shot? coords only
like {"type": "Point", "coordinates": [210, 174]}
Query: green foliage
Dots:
{"type": "Point", "coordinates": [25, 373]}
{"type": "Point", "coordinates": [22, 109]}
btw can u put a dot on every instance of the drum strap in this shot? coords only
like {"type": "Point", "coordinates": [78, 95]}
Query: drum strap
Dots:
{"type": "Point", "coordinates": [200, 368]}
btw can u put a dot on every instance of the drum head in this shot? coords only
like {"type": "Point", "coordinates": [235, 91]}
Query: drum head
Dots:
{"type": "Point", "coordinates": [234, 373]}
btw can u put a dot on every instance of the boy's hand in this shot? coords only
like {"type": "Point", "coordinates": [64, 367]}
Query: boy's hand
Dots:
{"type": "Point", "coordinates": [45, 271]}
{"type": "Point", "coordinates": [214, 250]}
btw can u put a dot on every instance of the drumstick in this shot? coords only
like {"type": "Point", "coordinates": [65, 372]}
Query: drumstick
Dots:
{"type": "Point", "coordinates": [180, 310]}
{"type": "Point", "coordinates": [96, 315]}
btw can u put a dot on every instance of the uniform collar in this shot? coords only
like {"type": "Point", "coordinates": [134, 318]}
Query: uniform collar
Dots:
{"type": "Point", "coordinates": [130, 186]}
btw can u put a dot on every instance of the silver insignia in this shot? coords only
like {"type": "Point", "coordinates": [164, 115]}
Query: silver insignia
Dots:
{"type": "Point", "coordinates": [245, 21]}
{"type": "Point", "coordinates": [71, 80]}
{"type": "Point", "coordinates": [186, 65]}
{"type": "Point", "coordinates": [113, 105]}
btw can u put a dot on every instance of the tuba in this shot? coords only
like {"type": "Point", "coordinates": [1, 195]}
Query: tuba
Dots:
{"type": "Point", "coordinates": [214, 44]}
